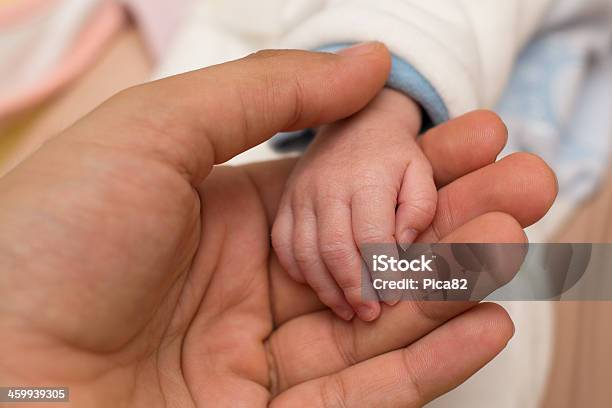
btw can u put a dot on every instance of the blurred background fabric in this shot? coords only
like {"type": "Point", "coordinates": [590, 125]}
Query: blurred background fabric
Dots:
{"type": "Point", "coordinates": [558, 101]}
{"type": "Point", "coordinates": [44, 45]}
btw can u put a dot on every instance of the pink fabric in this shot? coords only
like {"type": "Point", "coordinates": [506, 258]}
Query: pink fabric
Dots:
{"type": "Point", "coordinates": [158, 21]}
{"type": "Point", "coordinates": [17, 10]}
{"type": "Point", "coordinates": [96, 32]}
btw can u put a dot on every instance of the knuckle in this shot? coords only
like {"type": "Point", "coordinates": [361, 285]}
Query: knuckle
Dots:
{"type": "Point", "coordinates": [374, 197]}
{"type": "Point", "coordinates": [371, 234]}
{"type": "Point", "coordinates": [422, 207]}
{"type": "Point", "coordinates": [302, 192]}
{"type": "Point", "coordinates": [371, 188]}
{"type": "Point", "coordinates": [299, 95]}
{"type": "Point", "coordinates": [367, 191]}
{"type": "Point", "coordinates": [445, 219]}
{"type": "Point", "coordinates": [345, 341]}
{"type": "Point", "coordinates": [305, 254]}
{"type": "Point", "coordinates": [333, 392]}
{"type": "Point", "coordinates": [408, 359]}
{"type": "Point", "coordinates": [335, 252]}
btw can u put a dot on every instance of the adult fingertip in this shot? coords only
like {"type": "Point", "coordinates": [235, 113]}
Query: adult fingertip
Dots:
{"type": "Point", "coordinates": [374, 56]}
{"type": "Point", "coordinates": [365, 48]}
{"type": "Point", "coordinates": [540, 180]}
{"type": "Point", "coordinates": [547, 175]}
{"type": "Point", "coordinates": [464, 144]}
{"type": "Point", "coordinates": [490, 130]}
{"type": "Point", "coordinates": [501, 326]}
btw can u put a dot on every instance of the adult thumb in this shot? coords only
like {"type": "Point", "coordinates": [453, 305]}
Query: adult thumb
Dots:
{"type": "Point", "coordinates": [205, 117]}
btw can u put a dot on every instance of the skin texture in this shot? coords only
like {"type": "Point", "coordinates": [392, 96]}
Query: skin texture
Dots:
{"type": "Point", "coordinates": [362, 181]}
{"type": "Point", "coordinates": [137, 277]}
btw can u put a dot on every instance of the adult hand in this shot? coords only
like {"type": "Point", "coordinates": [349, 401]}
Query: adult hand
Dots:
{"type": "Point", "coordinates": [135, 276]}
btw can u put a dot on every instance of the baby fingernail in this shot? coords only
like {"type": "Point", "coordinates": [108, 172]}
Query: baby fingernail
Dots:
{"type": "Point", "coordinates": [359, 49]}
{"type": "Point", "coordinates": [366, 313]}
{"type": "Point", "coordinates": [392, 302]}
{"type": "Point", "coordinates": [345, 314]}
{"type": "Point", "coordinates": [406, 238]}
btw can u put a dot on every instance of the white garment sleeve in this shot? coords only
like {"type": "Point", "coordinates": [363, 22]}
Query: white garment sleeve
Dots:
{"type": "Point", "coordinates": [464, 48]}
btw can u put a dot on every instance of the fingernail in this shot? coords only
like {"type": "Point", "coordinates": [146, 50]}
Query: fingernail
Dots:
{"type": "Point", "coordinates": [366, 313]}
{"type": "Point", "coordinates": [359, 49]}
{"type": "Point", "coordinates": [392, 302]}
{"type": "Point", "coordinates": [407, 237]}
{"type": "Point", "coordinates": [345, 314]}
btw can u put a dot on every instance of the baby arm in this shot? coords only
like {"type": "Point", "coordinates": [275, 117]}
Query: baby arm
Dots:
{"type": "Point", "coordinates": [362, 181]}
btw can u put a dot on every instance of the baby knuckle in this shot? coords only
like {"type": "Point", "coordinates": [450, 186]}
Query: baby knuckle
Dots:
{"type": "Point", "coordinates": [305, 254]}
{"type": "Point", "coordinates": [335, 252]}
{"type": "Point", "coordinates": [422, 207]}
{"type": "Point", "coordinates": [371, 234]}
{"type": "Point", "coordinates": [331, 193]}
{"type": "Point", "coordinates": [370, 186]}
{"type": "Point", "coordinates": [301, 193]}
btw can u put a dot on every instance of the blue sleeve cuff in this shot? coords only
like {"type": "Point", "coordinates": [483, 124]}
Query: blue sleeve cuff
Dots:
{"type": "Point", "coordinates": [404, 78]}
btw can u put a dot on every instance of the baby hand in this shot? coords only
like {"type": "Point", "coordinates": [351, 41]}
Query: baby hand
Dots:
{"type": "Point", "coordinates": [362, 181]}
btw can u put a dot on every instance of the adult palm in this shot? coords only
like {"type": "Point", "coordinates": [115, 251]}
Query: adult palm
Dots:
{"type": "Point", "coordinates": [138, 277]}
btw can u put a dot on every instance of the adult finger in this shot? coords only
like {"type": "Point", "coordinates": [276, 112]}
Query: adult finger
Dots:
{"type": "Point", "coordinates": [415, 375]}
{"type": "Point", "coordinates": [463, 145]}
{"type": "Point", "coordinates": [298, 343]}
{"type": "Point", "coordinates": [195, 120]}
{"type": "Point", "coordinates": [521, 185]}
